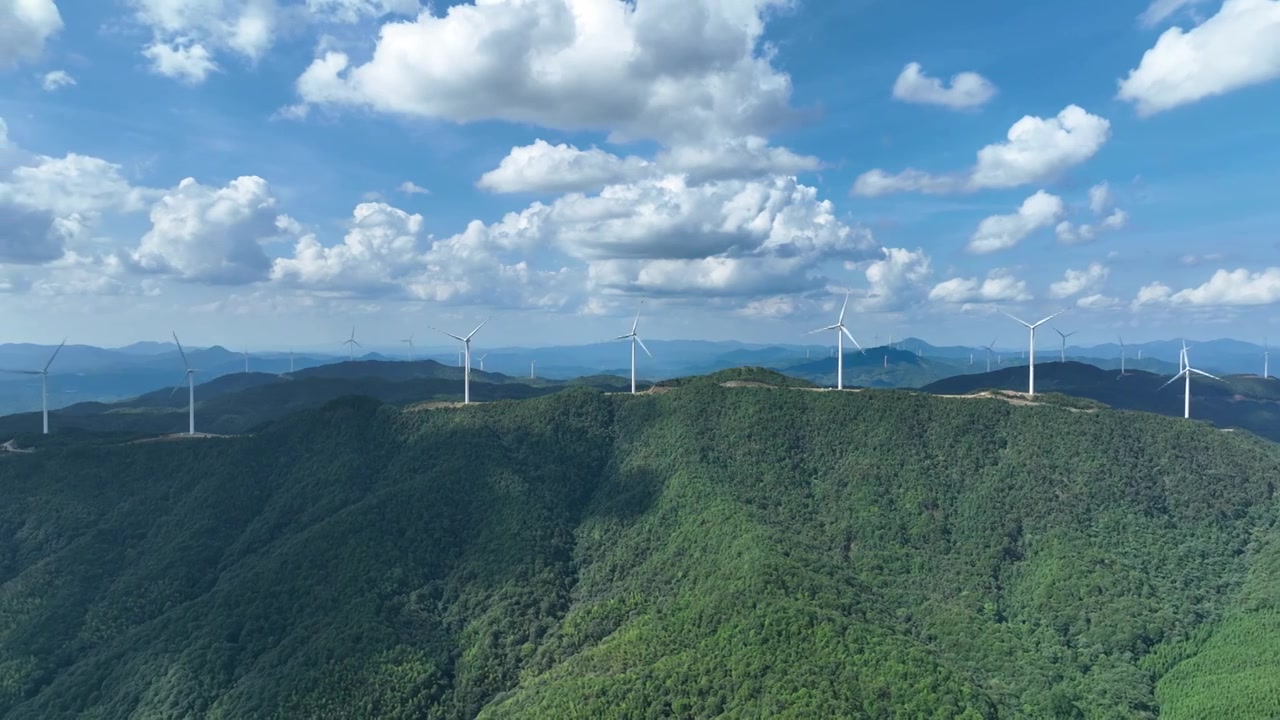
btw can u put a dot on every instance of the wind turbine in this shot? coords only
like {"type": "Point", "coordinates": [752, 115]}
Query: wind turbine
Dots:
{"type": "Point", "coordinates": [634, 338]}
{"type": "Point", "coordinates": [1122, 372]}
{"type": "Point", "coordinates": [1266, 360]}
{"type": "Point", "coordinates": [466, 370]}
{"type": "Point", "coordinates": [1064, 341]}
{"type": "Point", "coordinates": [531, 375]}
{"type": "Point", "coordinates": [44, 384]}
{"type": "Point", "coordinates": [352, 345]}
{"type": "Point", "coordinates": [1031, 364]}
{"type": "Point", "coordinates": [409, 340]}
{"type": "Point", "coordinates": [990, 352]}
{"type": "Point", "coordinates": [291, 361]}
{"type": "Point", "coordinates": [246, 361]}
{"type": "Point", "coordinates": [191, 388]}
{"type": "Point", "coordinates": [841, 332]}
{"type": "Point", "coordinates": [482, 357]}
{"type": "Point", "coordinates": [1185, 372]}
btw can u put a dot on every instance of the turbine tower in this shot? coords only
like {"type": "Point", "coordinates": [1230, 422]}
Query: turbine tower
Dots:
{"type": "Point", "coordinates": [634, 338]}
{"type": "Point", "coordinates": [191, 388]}
{"type": "Point", "coordinates": [246, 361]}
{"type": "Point", "coordinates": [352, 345]}
{"type": "Point", "coordinates": [409, 340]}
{"type": "Point", "coordinates": [291, 362]}
{"type": "Point", "coordinates": [841, 333]}
{"type": "Point", "coordinates": [1031, 364]}
{"type": "Point", "coordinates": [531, 375]}
{"type": "Point", "coordinates": [1266, 360]}
{"type": "Point", "coordinates": [1185, 372]}
{"type": "Point", "coordinates": [44, 384]}
{"type": "Point", "coordinates": [466, 369]}
{"type": "Point", "coordinates": [1063, 352]}
{"type": "Point", "coordinates": [1122, 372]}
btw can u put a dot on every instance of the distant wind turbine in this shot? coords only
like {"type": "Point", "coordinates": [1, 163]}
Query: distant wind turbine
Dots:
{"type": "Point", "coordinates": [409, 340]}
{"type": "Point", "coordinates": [482, 357]}
{"type": "Point", "coordinates": [466, 369]}
{"type": "Point", "coordinates": [1266, 360]}
{"type": "Point", "coordinates": [191, 388]}
{"type": "Point", "coordinates": [44, 384]}
{"type": "Point", "coordinates": [1122, 372]}
{"type": "Point", "coordinates": [1031, 365]}
{"type": "Point", "coordinates": [291, 361]}
{"type": "Point", "coordinates": [531, 375]}
{"type": "Point", "coordinates": [841, 333]}
{"type": "Point", "coordinates": [246, 361]}
{"type": "Point", "coordinates": [1185, 372]}
{"type": "Point", "coordinates": [352, 345]}
{"type": "Point", "coordinates": [1064, 342]}
{"type": "Point", "coordinates": [990, 351]}
{"type": "Point", "coordinates": [634, 338]}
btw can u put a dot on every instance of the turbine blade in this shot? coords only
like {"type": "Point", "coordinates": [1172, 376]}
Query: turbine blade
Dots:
{"type": "Point", "coordinates": [24, 372]}
{"type": "Point", "coordinates": [829, 327]}
{"type": "Point", "coordinates": [1047, 319]}
{"type": "Point", "coordinates": [455, 337]}
{"type": "Point", "coordinates": [1020, 320]}
{"type": "Point", "coordinates": [622, 337]}
{"type": "Point", "coordinates": [844, 307]}
{"type": "Point", "coordinates": [1175, 377]}
{"type": "Point", "coordinates": [54, 355]}
{"type": "Point", "coordinates": [646, 350]}
{"type": "Point", "coordinates": [1201, 372]}
{"type": "Point", "coordinates": [181, 352]}
{"type": "Point", "coordinates": [849, 335]}
{"type": "Point", "coordinates": [636, 323]}
{"type": "Point", "coordinates": [473, 332]}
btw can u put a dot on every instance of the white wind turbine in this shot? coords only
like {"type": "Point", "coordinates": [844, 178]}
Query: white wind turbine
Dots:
{"type": "Point", "coordinates": [1266, 360]}
{"type": "Point", "coordinates": [191, 388]}
{"type": "Point", "coordinates": [1031, 364]}
{"type": "Point", "coordinates": [841, 333]}
{"type": "Point", "coordinates": [1122, 372]}
{"type": "Point", "coordinates": [466, 369]}
{"type": "Point", "coordinates": [44, 384]}
{"type": "Point", "coordinates": [1063, 352]}
{"type": "Point", "coordinates": [482, 357]}
{"type": "Point", "coordinates": [409, 340]}
{"type": "Point", "coordinates": [291, 361]}
{"type": "Point", "coordinates": [990, 351]}
{"type": "Point", "coordinates": [1185, 371]}
{"type": "Point", "coordinates": [634, 338]}
{"type": "Point", "coordinates": [531, 375]}
{"type": "Point", "coordinates": [352, 345]}
{"type": "Point", "coordinates": [246, 361]}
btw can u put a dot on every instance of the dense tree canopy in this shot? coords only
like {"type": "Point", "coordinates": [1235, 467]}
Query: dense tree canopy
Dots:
{"type": "Point", "coordinates": [709, 550]}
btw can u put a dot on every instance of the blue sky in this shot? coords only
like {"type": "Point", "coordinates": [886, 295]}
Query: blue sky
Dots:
{"type": "Point", "coordinates": [738, 165]}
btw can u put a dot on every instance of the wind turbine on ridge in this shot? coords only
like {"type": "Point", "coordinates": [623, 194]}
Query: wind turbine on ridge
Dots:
{"type": "Point", "coordinates": [841, 333]}
{"type": "Point", "coordinates": [531, 375]}
{"type": "Point", "coordinates": [1185, 371]}
{"type": "Point", "coordinates": [1063, 352]}
{"type": "Point", "coordinates": [1122, 372]}
{"type": "Point", "coordinates": [191, 388]}
{"type": "Point", "coordinates": [1031, 363]}
{"type": "Point", "coordinates": [409, 340]}
{"type": "Point", "coordinates": [466, 369]}
{"type": "Point", "coordinates": [634, 338]}
{"type": "Point", "coordinates": [246, 361]}
{"type": "Point", "coordinates": [1266, 360]}
{"type": "Point", "coordinates": [990, 351]}
{"type": "Point", "coordinates": [44, 384]}
{"type": "Point", "coordinates": [482, 357]}
{"type": "Point", "coordinates": [352, 345]}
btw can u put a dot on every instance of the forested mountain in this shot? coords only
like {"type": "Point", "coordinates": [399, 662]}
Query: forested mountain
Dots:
{"type": "Point", "coordinates": [1249, 402]}
{"type": "Point", "coordinates": [694, 551]}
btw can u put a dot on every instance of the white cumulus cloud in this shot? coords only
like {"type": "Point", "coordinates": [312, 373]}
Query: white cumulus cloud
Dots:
{"type": "Point", "coordinates": [25, 27]}
{"type": "Point", "coordinates": [1036, 150]}
{"type": "Point", "coordinates": [1075, 282]}
{"type": "Point", "coordinates": [966, 90]}
{"type": "Point", "coordinates": [1001, 232]}
{"type": "Point", "coordinates": [1224, 288]}
{"type": "Point", "coordinates": [1236, 48]}
{"type": "Point", "coordinates": [55, 80]}
{"type": "Point", "coordinates": [998, 286]}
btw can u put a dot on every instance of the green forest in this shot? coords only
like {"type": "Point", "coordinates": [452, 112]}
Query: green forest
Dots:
{"type": "Point", "coordinates": [707, 549]}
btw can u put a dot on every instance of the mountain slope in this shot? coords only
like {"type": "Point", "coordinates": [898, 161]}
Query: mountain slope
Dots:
{"type": "Point", "coordinates": [748, 551]}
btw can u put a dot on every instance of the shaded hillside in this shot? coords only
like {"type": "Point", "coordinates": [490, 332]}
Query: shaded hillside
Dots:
{"type": "Point", "coordinates": [1246, 402]}
{"type": "Point", "coordinates": [880, 367]}
{"type": "Point", "coordinates": [706, 551]}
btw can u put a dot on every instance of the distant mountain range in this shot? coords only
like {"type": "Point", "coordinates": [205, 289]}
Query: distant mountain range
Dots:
{"type": "Point", "coordinates": [83, 373]}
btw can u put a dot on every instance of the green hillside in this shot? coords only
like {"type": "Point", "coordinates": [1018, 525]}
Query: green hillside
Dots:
{"type": "Point", "coordinates": [1238, 401]}
{"type": "Point", "coordinates": [707, 551]}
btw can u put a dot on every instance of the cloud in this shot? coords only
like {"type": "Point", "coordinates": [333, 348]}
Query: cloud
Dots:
{"type": "Point", "coordinates": [1160, 10]}
{"type": "Point", "coordinates": [211, 235]}
{"type": "Point", "coordinates": [189, 64]}
{"type": "Point", "coordinates": [1097, 302]}
{"type": "Point", "coordinates": [1224, 288]}
{"type": "Point", "coordinates": [895, 281]}
{"type": "Point", "coordinates": [669, 70]}
{"type": "Point", "coordinates": [1193, 260]}
{"type": "Point", "coordinates": [1001, 232]}
{"type": "Point", "coordinates": [380, 249]}
{"type": "Point", "coordinates": [409, 187]}
{"type": "Point", "coordinates": [353, 11]}
{"type": "Point", "coordinates": [25, 27]}
{"type": "Point", "coordinates": [55, 79]}
{"type": "Point", "coordinates": [1099, 198]}
{"type": "Point", "coordinates": [1075, 282]}
{"type": "Point", "coordinates": [30, 236]}
{"type": "Point", "coordinates": [545, 168]}
{"type": "Point", "coordinates": [73, 184]}
{"type": "Point", "coordinates": [1236, 48]}
{"type": "Point", "coordinates": [967, 90]}
{"type": "Point", "coordinates": [1036, 150]}
{"type": "Point", "coordinates": [999, 286]}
